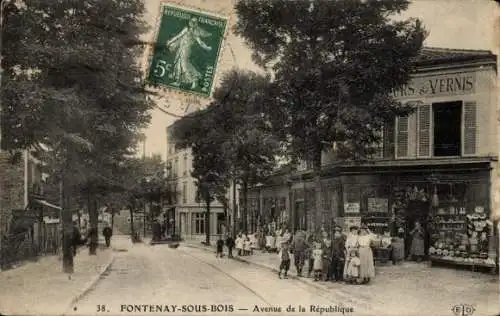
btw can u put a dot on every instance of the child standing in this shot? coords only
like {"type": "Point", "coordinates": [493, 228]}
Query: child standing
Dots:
{"type": "Point", "coordinates": [246, 245]}
{"type": "Point", "coordinates": [353, 263]}
{"type": "Point", "coordinates": [284, 256]}
{"type": "Point", "coordinates": [317, 255]}
{"type": "Point", "coordinates": [220, 247]}
{"type": "Point", "coordinates": [239, 244]}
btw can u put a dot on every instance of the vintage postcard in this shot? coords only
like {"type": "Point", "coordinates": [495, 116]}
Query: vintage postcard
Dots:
{"type": "Point", "coordinates": [249, 157]}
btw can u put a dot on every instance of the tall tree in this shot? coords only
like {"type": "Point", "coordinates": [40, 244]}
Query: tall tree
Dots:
{"type": "Point", "coordinates": [250, 144]}
{"type": "Point", "coordinates": [334, 64]}
{"type": "Point", "coordinates": [72, 82]}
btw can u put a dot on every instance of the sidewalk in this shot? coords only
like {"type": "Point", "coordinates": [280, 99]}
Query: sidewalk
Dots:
{"type": "Point", "coordinates": [41, 288]}
{"type": "Point", "coordinates": [406, 288]}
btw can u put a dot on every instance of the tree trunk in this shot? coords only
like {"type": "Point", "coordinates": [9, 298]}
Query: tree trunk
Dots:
{"type": "Point", "coordinates": [132, 232]}
{"type": "Point", "coordinates": [93, 217]}
{"type": "Point", "coordinates": [244, 191]}
{"type": "Point", "coordinates": [318, 191]}
{"type": "Point", "coordinates": [112, 220]}
{"type": "Point", "coordinates": [67, 228]}
{"type": "Point", "coordinates": [233, 213]}
{"type": "Point", "coordinates": [207, 222]}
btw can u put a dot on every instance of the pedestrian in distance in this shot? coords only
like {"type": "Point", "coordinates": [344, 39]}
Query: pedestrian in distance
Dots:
{"type": "Point", "coordinates": [338, 254]}
{"type": "Point", "coordinates": [107, 232]}
{"type": "Point", "coordinates": [310, 246]}
{"type": "Point", "coordinates": [326, 244]}
{"type": "Point", "coordinates": [299, 247]}
{"type": "Point", "coordinates": [350, 244]}
{"type": "Point", "coordinates": [220, 248]}
{"type": "Point", "coordinates": [284, 256]}
{"type": "Point", "coordinates": [353, 266]}
{"type": "Point", "coordinates": [317, 256]}
{"type": "Point", "coordinates": [367, 267]}
{"type": "Point", "coordinates": [239, 244]}
{"type": "Point", "coordinates": [247, 245]}
{"type": "Point", "coordinates": [417, 251]}
{"type": "Point", "coordinates": [398, 247]}
{"type": "Point", "coordinates": [230, 245]}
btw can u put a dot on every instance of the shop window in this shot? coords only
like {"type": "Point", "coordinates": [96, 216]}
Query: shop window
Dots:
{"type": "Point", "coordinates": [199, 223]}
{"type": "Point", "coordinates": [447, 128]}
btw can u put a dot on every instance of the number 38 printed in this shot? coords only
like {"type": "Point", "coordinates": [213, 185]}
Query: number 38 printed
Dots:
{"type": "Point", "coordinates": [162, 68]}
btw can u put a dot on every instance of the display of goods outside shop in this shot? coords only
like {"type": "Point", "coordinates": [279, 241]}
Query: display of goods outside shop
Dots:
{"type": "Point", "coordinates": [461, 235]}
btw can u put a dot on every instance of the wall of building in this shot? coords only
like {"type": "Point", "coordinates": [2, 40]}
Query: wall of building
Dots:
{"type": "Point", "coordinates": [477, 85]}
{"type": "Point", "coordinates": [11, 188]}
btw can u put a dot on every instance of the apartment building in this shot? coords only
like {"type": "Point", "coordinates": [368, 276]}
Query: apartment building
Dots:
{"type": "Point", "coordinates": [190, 211]}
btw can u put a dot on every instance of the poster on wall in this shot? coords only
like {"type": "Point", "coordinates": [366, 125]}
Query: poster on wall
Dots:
{"type": "Point", "coordinates": [378, 205]}
{"type": "Point", "coordinates": [186, 54]}
{"type": "Point", "coordinates": [351, 221]}
{"type": "Point", "coordinates": [351, 208]}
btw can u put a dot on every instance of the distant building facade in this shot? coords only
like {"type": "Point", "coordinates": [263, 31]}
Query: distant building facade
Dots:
{"type": "Point", "coordinates": [190, 211]}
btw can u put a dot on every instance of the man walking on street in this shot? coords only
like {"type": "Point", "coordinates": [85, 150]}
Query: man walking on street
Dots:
{"type": "Point", "coordinates": [299, 249]}
{"type": "Point", "coordinates": [230, 245]}
{"type": "Point", "coordinates": [220, 248]}
{"type": "Point", "coordinates": [107, 232]}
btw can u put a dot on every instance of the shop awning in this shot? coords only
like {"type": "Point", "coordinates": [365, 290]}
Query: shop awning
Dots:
{"type": "Point", "coordinates": [45, 203]}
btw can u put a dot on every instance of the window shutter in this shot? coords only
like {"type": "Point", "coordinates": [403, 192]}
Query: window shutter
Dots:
{"type": "Point", "coordinates": [424, 130]}
{"type": "Point", "coordinates": [402, 138]}
{"type": "Point", "coordinates": [379, 146]}
{"type": "Point", "coordinates": [469, 142]}
{"type": "Point", "coordinates": [389, 140]}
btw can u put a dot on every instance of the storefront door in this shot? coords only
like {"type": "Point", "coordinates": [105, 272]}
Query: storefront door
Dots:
{"type": "Point", "coordinates": [417, 211]}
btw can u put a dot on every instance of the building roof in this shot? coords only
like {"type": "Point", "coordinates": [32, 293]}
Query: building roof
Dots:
{"type": "Point", "coordinates": [435, 55]}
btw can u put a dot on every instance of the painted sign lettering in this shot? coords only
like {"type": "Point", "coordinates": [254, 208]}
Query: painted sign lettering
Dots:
{"type": "Point", "coordinates": [437, 86]}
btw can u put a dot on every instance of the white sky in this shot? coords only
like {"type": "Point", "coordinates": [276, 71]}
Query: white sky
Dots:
{"type": "Point", "coordinates": [463, 24]}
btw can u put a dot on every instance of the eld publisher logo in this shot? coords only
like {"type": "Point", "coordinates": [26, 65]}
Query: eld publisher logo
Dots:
{"type": "Point", "coordinates": [463, 310]}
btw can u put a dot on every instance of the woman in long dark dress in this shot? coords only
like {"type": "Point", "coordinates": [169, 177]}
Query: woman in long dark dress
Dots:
{"type": "Point", "coordinates": [417, 251]}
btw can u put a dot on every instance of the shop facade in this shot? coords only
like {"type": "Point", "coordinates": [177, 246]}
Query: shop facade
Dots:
{"type": "Point", "coordinates": [436, 166]}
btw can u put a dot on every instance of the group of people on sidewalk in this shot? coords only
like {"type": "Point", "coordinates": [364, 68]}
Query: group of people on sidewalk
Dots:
{"type": "Point", "coordinates": [341, 258]}
{"type": "Point", "coordinates": [244, 245]}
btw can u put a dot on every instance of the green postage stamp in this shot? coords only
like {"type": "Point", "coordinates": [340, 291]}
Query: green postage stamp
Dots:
{"type": "Point", "coordinates": [187, 50]}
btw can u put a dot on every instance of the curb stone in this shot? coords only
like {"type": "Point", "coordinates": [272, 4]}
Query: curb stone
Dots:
{"type": "Point", "coordinates": [91, 285]}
